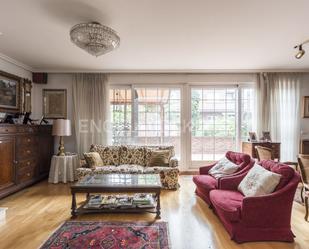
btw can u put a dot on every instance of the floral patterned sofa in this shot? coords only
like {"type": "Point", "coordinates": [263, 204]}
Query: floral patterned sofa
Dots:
{"type": "Point", "coordinates": [134, 160]}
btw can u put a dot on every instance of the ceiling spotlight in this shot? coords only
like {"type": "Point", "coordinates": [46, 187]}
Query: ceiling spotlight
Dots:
{"type": "Point", "coordinates": [300, 52]}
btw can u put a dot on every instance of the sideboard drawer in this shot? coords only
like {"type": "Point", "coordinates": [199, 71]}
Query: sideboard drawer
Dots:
{"type": "Point", "coordinates": [26, 163]}
{"type": "Point", "coordinates": [26, 140]}
{"type": "Point", "coordinates": [7, 129]}
{"type": "Point", "coordinates": [26, 174]}
{"type": "Point", "coordinates": [25, 152]}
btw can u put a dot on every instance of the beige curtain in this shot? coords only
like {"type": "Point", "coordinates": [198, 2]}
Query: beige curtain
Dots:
{"type": "Point", "coordinates": [90, 110]}
{"type": "Point", "coordinates": [263, 103]}
{"type": "Point", "coordinates": [278, 110]}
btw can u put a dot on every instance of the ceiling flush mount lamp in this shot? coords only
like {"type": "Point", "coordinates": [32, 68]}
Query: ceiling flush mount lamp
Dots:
{"type": "Point", "coordinates": [94, 38]}
{"type": "Point", "coordinates": [300, 53]}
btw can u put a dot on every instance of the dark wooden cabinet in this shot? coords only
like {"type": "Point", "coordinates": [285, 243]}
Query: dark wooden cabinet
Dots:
{"type": "Point", "coordinates": [7, 161]}
{"type": "Point", "coordinates": [249, 148]}
{"type": "Point", "coordinates": [25, 155]}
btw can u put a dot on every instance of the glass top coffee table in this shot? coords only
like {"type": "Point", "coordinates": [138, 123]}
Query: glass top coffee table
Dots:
{"type": "Point", "coordinates": [113, 194]}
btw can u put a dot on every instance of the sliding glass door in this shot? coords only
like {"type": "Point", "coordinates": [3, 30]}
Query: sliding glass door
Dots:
{"type": "Point", "coordinates": [214, 119]}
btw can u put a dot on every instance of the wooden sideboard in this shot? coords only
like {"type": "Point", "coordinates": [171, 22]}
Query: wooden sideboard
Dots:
{"type": "Point", "coordinates": [25, 155]}
{"type": "Point", "coordinates": [249, 148]}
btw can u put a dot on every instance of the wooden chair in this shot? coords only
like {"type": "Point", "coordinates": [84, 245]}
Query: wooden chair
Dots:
{"type": "Point", "coordinates": [264, 153]}
{"type": "Point", "coordinates": [303, 161]}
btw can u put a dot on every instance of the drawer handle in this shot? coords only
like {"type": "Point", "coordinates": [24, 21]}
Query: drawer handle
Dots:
{"type": "Point", "coordinates": [16, 162]}
{"type": "Point", "coordinates": [28, 163]}
{"type": "Point", "coordinates": [28, 140]}
{"type": "Point", "coordinates": [28, 151]}
{"type": "Point", "coordinates": [28, 174]}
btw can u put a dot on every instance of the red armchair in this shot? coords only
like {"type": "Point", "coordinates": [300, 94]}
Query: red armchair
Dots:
{"type": "Point", "coordinates": [263, 218]}
{"type": "Point", "coordinates": [205, 182]}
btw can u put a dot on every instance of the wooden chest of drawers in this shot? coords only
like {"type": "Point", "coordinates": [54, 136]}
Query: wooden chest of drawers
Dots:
{"type": "Point", "coordinates": [25, 155]}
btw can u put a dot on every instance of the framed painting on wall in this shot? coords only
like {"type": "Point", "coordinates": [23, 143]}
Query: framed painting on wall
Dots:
{"type": "Point", "coordinates": [306, 107]}
{"type": "Point", "coordinates": [9, 92]}
{"type": "Point", "coordinates": [55, 103]}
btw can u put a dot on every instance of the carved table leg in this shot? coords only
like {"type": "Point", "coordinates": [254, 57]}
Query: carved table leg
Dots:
{"type": "Point", "coordinates": [73, 208]}
{"type": "Point", "coordinates": [306, 205]}
{"type": "Point", "coordinates": [158, 216]}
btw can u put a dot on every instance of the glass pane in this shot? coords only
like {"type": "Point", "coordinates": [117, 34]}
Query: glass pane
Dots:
{"type": "Point", "coordinates": [213, 122]}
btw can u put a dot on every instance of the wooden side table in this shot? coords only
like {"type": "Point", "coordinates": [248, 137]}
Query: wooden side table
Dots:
{"type": "Point", "coordinates": [249, 148]}
{"type": "Point", "coordinates": [63, 169]}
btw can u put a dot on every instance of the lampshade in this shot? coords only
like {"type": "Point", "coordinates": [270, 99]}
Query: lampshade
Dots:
{"type": "Point", "coordinates": [62, 127]}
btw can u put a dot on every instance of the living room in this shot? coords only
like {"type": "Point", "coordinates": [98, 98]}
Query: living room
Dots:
{"type": "Point", "coordinates": [154, 124]}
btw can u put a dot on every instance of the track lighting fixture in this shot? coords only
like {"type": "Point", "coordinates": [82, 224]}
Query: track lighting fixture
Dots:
{"type": "Point", "coordinates": [300, 53]}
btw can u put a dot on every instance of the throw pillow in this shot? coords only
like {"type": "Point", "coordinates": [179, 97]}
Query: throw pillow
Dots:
{"type": "Point", "coordinates": [159, 158]}
{"type": "Point", "coordinates": [259, 181]}
{"type": "Point", "coordinates": [93, 159]}
{"type": "Point", "coordinates": [223, 167]}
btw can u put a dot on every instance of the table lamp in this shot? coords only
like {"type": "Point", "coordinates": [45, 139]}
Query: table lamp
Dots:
{"type": "Point", "coordinates": [61, 128]}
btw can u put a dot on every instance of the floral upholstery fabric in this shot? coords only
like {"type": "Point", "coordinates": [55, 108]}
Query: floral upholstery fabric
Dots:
{"type": "Point", "coordinates": [109, 154]}
{"type": "Point", "coordinates": [125, 169]}
{"type": "Point", "coordinates": [149, 149]}
{"type": "Point", "coordinates": [173, 162]}
{"type": "Point", "coordinates": [169, 176]}
{"type": "Point", "coordinates": [132, 155]}
{"type": "Point", "coordinates": [132, 160]}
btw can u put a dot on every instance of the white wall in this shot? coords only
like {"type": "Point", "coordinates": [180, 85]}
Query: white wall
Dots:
{"type": "Point", "coordinates": [55, 81]}
{"type": "Point", "coordinates": [13, 68]}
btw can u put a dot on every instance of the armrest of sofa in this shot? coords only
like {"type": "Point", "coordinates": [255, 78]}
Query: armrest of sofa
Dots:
{"type": "Point", "coordinates": [230, 182]}
{"type": "Point", "coordinates": [83, 163]}
{"type": "Point", "coordinates": [204, 169]}
{"type": "Point", "coordinates": [173, 163]}
{"type": "Point", "coordinates": [275, 208]}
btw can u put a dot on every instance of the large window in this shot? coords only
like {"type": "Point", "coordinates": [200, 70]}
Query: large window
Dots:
{"type": "Point", "coordinates": [220, 118]}
{"type": "Point", "coordinates": [146, 116]}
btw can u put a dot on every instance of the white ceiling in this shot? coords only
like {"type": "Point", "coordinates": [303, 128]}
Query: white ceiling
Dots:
{"type": "Point", "coordinates": [159, 35]}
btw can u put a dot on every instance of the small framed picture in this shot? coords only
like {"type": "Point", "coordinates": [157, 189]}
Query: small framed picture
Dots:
{"type": "Point", "coordinates": [55, 103]}
{"type": "Point", "coordinates": [306, 107]}
{"type": "Point", "coordinates": [252, 136]}
{"type": "Point", "coordinates": [266, 136]}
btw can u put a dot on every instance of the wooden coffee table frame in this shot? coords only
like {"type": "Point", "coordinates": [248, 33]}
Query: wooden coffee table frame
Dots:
{"type": "Point", "coordinates": [156, 190]}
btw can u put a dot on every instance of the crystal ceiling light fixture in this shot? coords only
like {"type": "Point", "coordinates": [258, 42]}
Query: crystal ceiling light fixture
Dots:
{"type": "Point", "coordinates": [94, 38]}
{"type": "Point", "coordinates": [300, 51]}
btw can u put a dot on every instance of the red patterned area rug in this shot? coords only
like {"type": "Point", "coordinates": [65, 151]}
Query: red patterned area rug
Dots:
{"type": "Point", "coordinates": [109, 235]}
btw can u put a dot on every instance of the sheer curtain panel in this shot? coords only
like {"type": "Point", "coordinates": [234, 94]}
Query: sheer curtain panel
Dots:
{"type": "Point", "coordinates": [90, 110]}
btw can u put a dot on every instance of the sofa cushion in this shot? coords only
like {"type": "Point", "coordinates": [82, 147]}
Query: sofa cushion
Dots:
{"type": "Point", "coordinates": [109, 154]}
{"type": "Point", "coordinates": [107, 169]}
{"type": "Point", "coordinates": [223, 167]}
{"type": "Point", "coordinates": [131, 168]}
{"type": "Point", "coordinates": [284, 170]}
{"type": "Point", "coordinates": [93, 160]}
{"type": "Point", "coordinates": [157, 169]}
{"type": "Point", "coordinates": [149, 149]}
{"type": "Point", "coordinates": [228, 202]}
{"type": "Point", "coordinates": [205, 182]}
{"type": "Point", "coordinates": [259, 181]}
{"type": "Point", "coordinates": [159, 158]}
{"type": "Point", "coordinates": [130, 154]}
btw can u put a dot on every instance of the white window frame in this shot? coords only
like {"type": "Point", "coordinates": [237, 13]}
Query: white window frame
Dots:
{"type": "Point", "coordinates": [185, 112]}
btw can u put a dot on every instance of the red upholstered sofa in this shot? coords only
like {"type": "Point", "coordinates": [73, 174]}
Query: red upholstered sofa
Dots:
{"type": "Point", "coordinates": [205, 182]}
{"type": "Point", "coordinates": [263, 218]}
